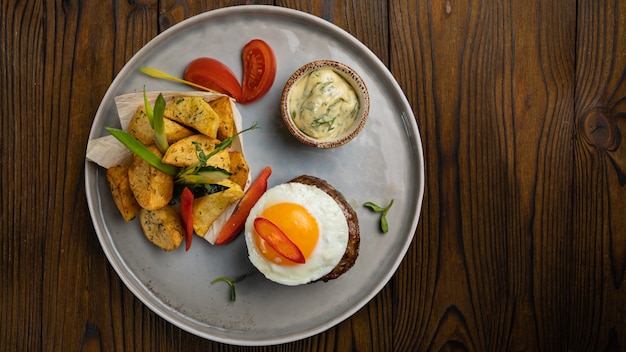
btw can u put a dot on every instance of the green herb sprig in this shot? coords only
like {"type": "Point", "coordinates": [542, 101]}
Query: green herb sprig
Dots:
{"type": "Point", "coordinates": [201, 166]}
{"type": "Point", "coordinates": [384, 225]}
{"type": "Point", "coordinates": [231, 283]}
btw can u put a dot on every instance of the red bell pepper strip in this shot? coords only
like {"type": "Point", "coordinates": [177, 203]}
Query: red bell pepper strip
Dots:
{"type": "Point", "coordinates": [186, 213]}
{"type": "Point", "coordinates": [236, 222]}
{"type": "Point", "coordinates": [277, 239]}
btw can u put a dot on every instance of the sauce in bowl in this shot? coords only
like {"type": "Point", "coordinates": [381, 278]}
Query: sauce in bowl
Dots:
{"type": "Point", "coordinates": [323, 104]}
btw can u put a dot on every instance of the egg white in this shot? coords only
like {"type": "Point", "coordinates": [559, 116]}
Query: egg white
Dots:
{"type": "Point", "coordinates": [333, 234]}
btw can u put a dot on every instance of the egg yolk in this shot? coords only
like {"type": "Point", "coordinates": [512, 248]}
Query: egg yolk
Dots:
{"type": "Point", "coordinates": [296, 223]}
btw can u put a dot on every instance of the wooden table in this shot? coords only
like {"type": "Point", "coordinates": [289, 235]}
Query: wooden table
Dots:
{"type": "Point", "coordinates": [521, 243]}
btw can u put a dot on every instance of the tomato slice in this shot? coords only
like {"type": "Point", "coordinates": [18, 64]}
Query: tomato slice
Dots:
{"type": "Point", "coordinates": [213, 74]}
{"type": "Point", "coordinates": [277, 239]}
{"type": "Point", "coordinates": [259, 70]}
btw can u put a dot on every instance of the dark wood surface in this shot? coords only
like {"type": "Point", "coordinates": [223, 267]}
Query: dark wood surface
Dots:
{"type": "Point", "coordinates": [521, 244]}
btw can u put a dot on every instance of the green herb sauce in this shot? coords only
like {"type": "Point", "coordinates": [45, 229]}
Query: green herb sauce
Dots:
{"type": "Point", "coordinates": [323, 104]}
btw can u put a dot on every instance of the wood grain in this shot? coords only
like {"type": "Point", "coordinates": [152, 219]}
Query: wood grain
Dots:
{"type": "Point", "coordinates": [598, 241]}
{"type": "Point", "coordinates": [521, 243]}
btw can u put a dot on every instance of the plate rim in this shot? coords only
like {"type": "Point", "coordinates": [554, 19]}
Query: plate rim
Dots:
{"type": "Point", "coordinates": [165, 311]}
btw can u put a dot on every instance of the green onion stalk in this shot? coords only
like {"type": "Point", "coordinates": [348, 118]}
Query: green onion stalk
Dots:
{"type": "Point", "coordinates": [142, 151]}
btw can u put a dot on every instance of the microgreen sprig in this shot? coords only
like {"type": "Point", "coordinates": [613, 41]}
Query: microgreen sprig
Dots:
{"type": "Point", "coordinates": [384, 225]}
{"type": "Point", "coordinates": [231, 283]}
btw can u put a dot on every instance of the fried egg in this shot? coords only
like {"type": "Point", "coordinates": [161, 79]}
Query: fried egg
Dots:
{"type": "Point", "coordinates": [311, 219]}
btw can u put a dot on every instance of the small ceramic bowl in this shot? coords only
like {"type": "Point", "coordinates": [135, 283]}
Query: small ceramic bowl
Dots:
{"type": "Point", "coordinates": [355, 126]}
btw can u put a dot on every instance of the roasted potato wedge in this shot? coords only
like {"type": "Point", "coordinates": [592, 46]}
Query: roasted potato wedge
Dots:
{"type": "Point", "coordinates": [208, 208]}
{"type": "Point", "coordinates": [163, 227]}
{"type": "Point", "coordinates": [194, 112]}
{"type": "Point", "coordinates": [152, 188]}
{"type": "Point", "coordinates": [239, 169]}
{"type": "Point", "coordinates": [183, 153]}
{"type": "Point", "coordinates": [139, 127]}
{"type": "Point", "coordinates": [222, 106]}
{"type": "Point", "coordinates": [123, 197]}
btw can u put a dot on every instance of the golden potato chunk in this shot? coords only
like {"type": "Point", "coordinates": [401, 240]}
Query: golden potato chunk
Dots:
{"type": "Point", "coordinates": [224, 110]}
{"type": "Point", "coordinates": [163, 227]}
{"type": "Point", "coordinates": [152, 187]}
{"type": "Point", "coordinates": [123, 197]}
{"type": "Point", "coordinates": [183, 153]}
{"type": "Point", "coordinates": [238, 168]}
{"type": "Point", "coordinates": [208, 208]}
{"type": "Point", "coordinates": [194, 112]}
{"type": "Point", "coordinates": [139, 127]}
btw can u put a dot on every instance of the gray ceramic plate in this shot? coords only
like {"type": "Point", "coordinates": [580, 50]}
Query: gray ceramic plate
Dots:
{"type": "Point", "coordinates": [385, 161]}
